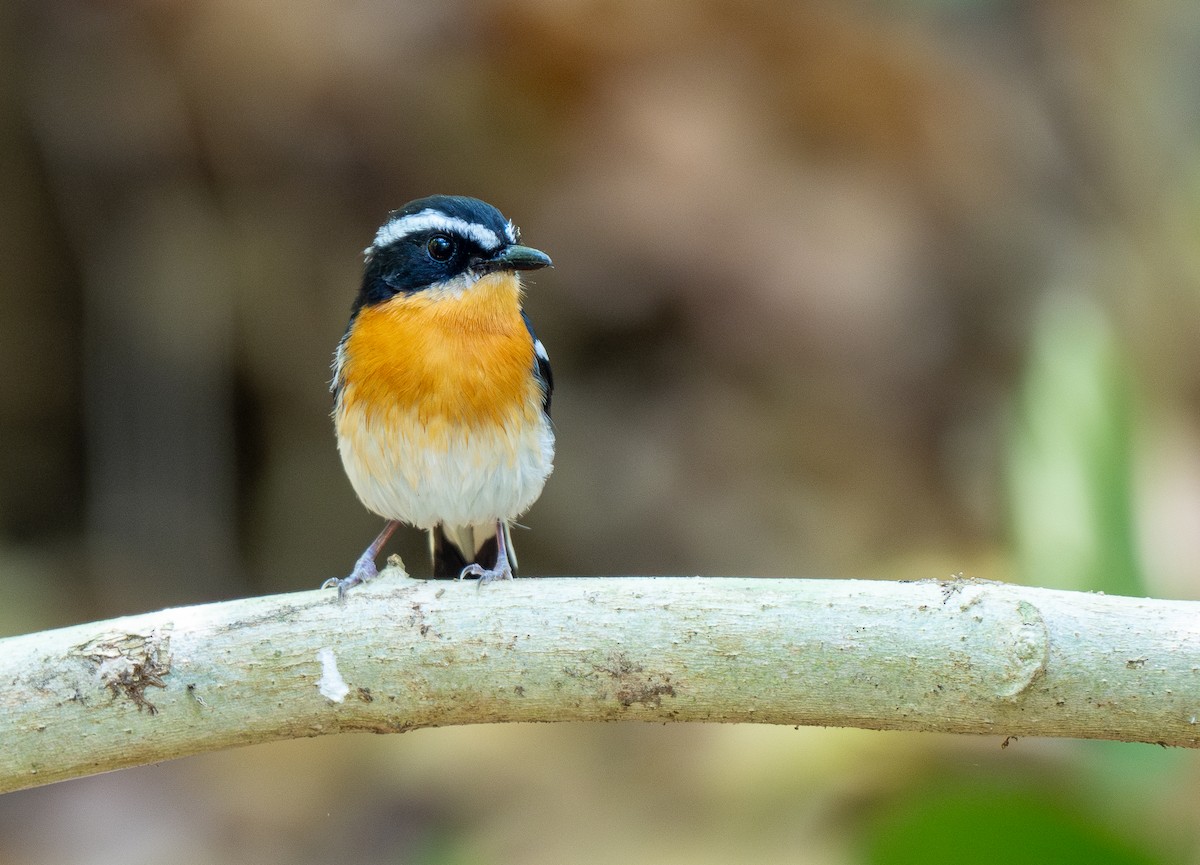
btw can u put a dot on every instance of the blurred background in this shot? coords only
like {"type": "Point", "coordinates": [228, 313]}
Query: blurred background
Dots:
{"type": "Point", "coordinates": [894, 289]}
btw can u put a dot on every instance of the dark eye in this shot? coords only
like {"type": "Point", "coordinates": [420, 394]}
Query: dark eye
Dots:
{"type": "Point", "coordinates": [440, 247]}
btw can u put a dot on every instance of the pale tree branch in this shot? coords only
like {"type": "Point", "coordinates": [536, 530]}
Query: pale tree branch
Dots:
{"type": "Point", "coordinates": [957, 656]}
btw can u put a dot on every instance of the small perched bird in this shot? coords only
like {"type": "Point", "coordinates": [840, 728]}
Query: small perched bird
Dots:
{"type": "Point", "coordinates": [442, 390]}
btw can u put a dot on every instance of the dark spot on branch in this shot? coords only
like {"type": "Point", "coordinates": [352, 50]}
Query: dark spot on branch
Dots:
{"type": "Point", "coordinates": [634, 684]}
{"type": "Point", "coordinates": [128, 664]}
{"type": "Point", "coordinates": [649, 693]}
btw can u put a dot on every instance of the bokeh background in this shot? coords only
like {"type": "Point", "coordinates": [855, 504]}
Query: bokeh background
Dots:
{"type": "Point", "coordinates": [892, 289]}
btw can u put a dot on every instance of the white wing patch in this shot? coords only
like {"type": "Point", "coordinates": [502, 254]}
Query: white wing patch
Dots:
{"type": "Point", "coordinates": [339, 359]}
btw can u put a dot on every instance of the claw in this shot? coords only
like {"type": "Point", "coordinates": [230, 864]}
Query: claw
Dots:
{"type": "Point", "coordinates": [486, 576]}
{"type": "Point", "coordinates": [364, 568]}
{"type": "Point", "coordinates": [502, 570]}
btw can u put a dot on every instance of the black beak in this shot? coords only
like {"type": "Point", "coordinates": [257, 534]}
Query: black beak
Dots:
{"type": "Point", "coordinates": [518, 258]}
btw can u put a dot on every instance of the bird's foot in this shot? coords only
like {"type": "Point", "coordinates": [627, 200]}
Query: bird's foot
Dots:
{"type": "Point", "coordinates": [364, 570]}
{"type": "Point", "coordinates": [502, 571]}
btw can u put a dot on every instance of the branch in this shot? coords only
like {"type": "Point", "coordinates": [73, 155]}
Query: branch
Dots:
{"type": "Point", "coordinates": [960, 656]}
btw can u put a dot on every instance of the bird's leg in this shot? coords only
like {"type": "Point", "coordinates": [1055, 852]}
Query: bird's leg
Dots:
{"type": "Point", "coordinates": [364, 568]}
{"type": "Point", "coordinates": [502, 570]}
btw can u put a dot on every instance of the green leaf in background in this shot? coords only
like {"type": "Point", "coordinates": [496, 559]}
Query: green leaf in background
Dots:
{"type": "Point", "coordinates": [1070, 461]}
{"type": "Point", "coordinates": [973, 823]}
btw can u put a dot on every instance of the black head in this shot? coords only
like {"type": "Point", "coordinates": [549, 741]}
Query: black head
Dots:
{"type": "Point", "coordinates": [443, 241]}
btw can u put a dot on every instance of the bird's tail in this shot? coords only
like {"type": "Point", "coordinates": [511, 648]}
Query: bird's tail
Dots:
{"type": "Point", "coordinates": [456, 547]}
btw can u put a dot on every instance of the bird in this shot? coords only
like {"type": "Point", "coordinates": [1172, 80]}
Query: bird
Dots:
{"type": "Point", "coordinates": [441, 388]}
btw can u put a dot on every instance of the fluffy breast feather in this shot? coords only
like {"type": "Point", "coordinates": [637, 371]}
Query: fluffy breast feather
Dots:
{"type": "Point", "coordinates": [439, 417]}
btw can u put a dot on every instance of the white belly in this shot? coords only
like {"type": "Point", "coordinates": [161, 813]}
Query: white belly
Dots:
{"type": "Point", "coordinates": [405, 471]}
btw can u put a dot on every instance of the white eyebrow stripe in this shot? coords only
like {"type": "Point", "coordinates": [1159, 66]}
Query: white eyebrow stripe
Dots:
{"type": "Point", "coordinates": [511, 231]}
{"type": "Point", "coordinates": [432, 220]}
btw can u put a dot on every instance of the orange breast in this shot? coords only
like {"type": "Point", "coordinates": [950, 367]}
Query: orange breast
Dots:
{"type": "Point", "coordinates": [454, 361]}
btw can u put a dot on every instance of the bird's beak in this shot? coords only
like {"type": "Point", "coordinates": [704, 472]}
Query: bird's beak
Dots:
{"type": "Point", "coordinates": [519, 258]}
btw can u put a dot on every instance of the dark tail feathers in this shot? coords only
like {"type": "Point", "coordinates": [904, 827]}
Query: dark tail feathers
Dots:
{"type": "Point", "coordinates": [450, 554]}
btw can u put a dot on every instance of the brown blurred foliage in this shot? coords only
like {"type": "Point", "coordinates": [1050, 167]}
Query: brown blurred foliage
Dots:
{"type": "Point", "coordinates": [799, 249]}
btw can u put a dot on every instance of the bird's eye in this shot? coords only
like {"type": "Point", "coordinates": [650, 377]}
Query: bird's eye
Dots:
{"type": "Point", "coordinates": [440, 247]}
